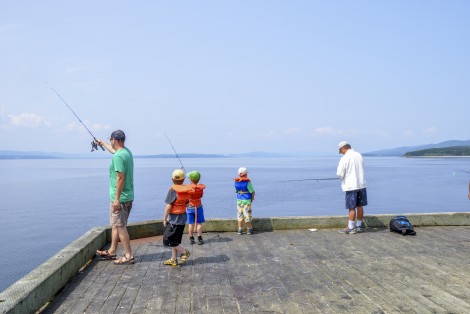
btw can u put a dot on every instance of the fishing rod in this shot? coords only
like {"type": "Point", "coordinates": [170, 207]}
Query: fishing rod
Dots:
{"type": "Point", "coordinates": [94, 144]}
{"type": "Point", "coordinates": [315, 179]}
{"type": "Point", "coordinates": [169, 141]}
{"type": "Point", "coordinates": [195, 209]}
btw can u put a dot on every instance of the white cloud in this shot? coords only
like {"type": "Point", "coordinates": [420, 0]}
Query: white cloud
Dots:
{"type": "Point", "coordinates": [430, 130]}
{"type": "Point", "coordinates": [291, 131]}
{"type": "Point", "coordinates": [267, 134]}
{"type": "Point", "coordinates": [324, 130]}
{"type": "Point", "coordinates": [93, 127]}
{"type": "Point", "coordinates": [381, 134]}
{"type": "Point", "coordinates": [29, 120]}
{"type": "Point", "coordinates": [408, 134]}
{"type": "Point", "coordinates": [278, 134]}
{"type": "Point", "coordinates": [329, 131]}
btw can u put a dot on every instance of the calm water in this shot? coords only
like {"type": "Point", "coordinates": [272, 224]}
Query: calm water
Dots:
{"type": "Point", "coordinates": [46, 204]}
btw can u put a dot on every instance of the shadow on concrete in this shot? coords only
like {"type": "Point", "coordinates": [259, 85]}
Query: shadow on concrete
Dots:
{"type": "Point", "coordinates": [211, 238]}
{"type": "Point", "coordinates": [217, 259]}
{"type": "Point", "coordinates": [374, 222]}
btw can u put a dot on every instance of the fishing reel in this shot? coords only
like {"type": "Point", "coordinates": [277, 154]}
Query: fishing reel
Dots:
{"type": "Point", "coordinates": [94, 146]}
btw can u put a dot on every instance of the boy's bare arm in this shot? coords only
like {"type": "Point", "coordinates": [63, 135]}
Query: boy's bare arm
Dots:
{"type": "Point", "coordinates": [166, 213]}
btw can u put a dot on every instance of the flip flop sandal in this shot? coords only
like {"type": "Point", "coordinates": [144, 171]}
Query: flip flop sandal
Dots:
{"type": "Point", "coordinates": [104, 255]}
{"type": "Point", "coordinates": [124, 261]}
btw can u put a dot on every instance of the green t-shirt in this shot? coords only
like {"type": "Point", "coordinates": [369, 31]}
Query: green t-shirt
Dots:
{"type": "Point", "coordinates": [122, 162]}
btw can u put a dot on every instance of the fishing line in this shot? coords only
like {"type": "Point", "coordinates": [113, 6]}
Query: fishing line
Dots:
{"type": "Point", "coordinates": [94, 144]}
{"type": "Point", "coordinates": [169, 141]}
{"type": "Point", "coordinates": [315, 179]}
{"type": "Point", "coordinates": [460, 170]}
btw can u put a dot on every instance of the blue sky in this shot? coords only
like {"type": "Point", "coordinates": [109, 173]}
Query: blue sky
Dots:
{"type": "Point", "coordinates": [234, 76]}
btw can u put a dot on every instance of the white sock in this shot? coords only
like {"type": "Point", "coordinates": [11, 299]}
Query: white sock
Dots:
{"type": "Point", "coordinates": [359, 223]}
{"type": "Point", "coordinates": [351, 224]}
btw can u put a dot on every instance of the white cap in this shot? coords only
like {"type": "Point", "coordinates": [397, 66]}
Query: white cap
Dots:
{"type": "Point", "coordinates": [342, 144]}
{"type": "Point", "coordinates": [242, 171]}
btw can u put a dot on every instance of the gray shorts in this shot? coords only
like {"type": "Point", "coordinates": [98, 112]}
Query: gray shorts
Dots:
{"type": "Point", "coordinates": [119, 218]}
{"type": "Point", "coordinates": [356, 198]}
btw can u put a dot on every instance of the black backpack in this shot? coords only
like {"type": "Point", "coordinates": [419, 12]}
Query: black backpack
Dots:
{"type": "Point", "coordinates": [402, 225]}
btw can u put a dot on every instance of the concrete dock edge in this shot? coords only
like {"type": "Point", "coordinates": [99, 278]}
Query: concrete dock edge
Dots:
{"type": "Point", "coordinates": [34, 290]}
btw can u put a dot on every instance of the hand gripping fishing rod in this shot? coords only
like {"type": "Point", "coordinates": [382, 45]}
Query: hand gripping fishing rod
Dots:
{"type": "Point", "coordinates": [94, 144]}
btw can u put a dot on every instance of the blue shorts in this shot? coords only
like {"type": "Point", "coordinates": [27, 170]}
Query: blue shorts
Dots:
{"type": "Point", "coordinates": [356, 198]}
{"type": "Point", "coordinates": [191, 213]}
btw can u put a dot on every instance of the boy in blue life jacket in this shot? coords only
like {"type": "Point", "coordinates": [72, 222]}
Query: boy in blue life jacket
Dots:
{"type": "Point", "coordinates": [245, 196]}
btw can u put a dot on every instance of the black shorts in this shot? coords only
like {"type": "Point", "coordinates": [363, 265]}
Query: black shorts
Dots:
{"type": "Point", "coordinates": [173, 234]}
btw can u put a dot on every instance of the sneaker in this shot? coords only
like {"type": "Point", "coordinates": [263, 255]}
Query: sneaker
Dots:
{"type": "Point", "coordinates": [171, 262]}
{"type": "Point", "coordinates": [348, 231]}
{"type": "Point", "coordinates": [191, 240]}
{"type": "Point", "coordinates": [184, 257]}
{"type": "Point", "coordinates": [249, 231]}
{"type": "Point", "coordinates": [360, 229]}
{"type": "Point", "coordinates": [200, 241]}
{"type": "Point", "coordinates": [240, 231]}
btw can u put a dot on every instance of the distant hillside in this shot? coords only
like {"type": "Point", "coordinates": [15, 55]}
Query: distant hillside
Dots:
{"type": "Point", "coordinates": [183, 155]}
{"type": "Point", "coordinates": [401, 151]}
{"type": "Point", "coordinates": [441, 152]}
{"type": "Point", "coordinates": [8, 154]}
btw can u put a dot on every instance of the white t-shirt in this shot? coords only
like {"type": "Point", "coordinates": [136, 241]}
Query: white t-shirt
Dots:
{"type": "Point", "coordinates": [351, 171]}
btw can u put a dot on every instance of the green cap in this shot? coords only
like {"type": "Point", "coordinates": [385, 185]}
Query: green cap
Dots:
{"type": "Point", "coordinates": [194, 176]}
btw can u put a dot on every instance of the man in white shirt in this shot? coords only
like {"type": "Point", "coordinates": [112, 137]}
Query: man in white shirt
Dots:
{"type": "Point", "coordinates": [351, 172]}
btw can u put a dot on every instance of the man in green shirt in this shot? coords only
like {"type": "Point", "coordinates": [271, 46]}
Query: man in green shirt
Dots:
{"type": "Point", "coordinates": [121, 192]}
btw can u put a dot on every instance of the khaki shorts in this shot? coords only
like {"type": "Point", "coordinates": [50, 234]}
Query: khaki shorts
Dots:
{"type": "Point", "coordinates": [119, 218]}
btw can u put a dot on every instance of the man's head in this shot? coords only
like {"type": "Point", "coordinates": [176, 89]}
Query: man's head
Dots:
{"type": "Point", "coordinates": [343, 147]}
{"type": "Point", "coordinates": [118, 135]}
{"type": "Point", "coordinates": [117, 139]}
{"type": "Point", "coordinates": [194, 176]}
{"type": "Point", "coordinates": [178, 176]}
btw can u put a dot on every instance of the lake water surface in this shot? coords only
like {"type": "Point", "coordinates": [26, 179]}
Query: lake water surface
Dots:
{"type": "Point", "coordinates": [47, 204]}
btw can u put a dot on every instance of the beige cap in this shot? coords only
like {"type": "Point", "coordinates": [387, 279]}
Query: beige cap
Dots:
{"type": "Point", "coordinates": [178, 174]}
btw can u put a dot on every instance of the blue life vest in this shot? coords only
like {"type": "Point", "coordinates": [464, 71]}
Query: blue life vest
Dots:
{"type": "Point", "coordinates": [241, 185]}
